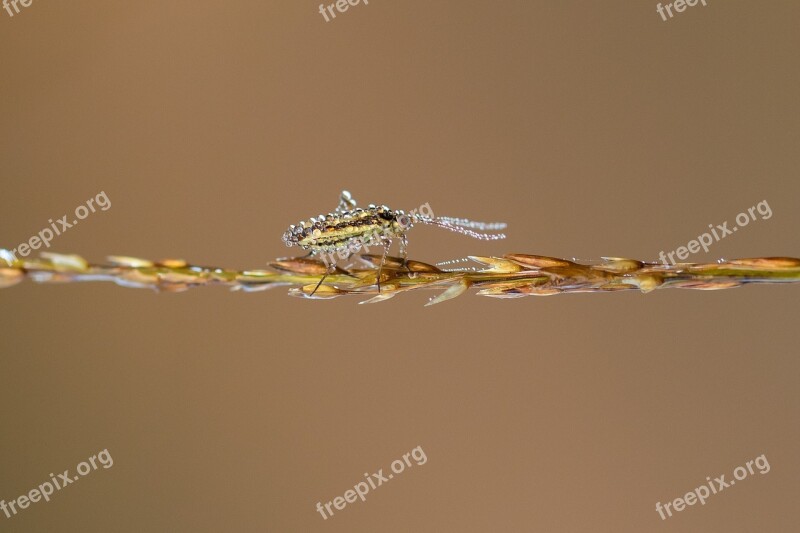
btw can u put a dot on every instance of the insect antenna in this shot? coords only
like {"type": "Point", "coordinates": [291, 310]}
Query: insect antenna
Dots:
{"type": "Point", "coordinates": [472, 224]}
{"type": "Point", "coordinates": [463, 226]}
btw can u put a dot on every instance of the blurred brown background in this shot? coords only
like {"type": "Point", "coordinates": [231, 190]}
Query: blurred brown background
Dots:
{"type": "Point", "coordinates": [592, 128]}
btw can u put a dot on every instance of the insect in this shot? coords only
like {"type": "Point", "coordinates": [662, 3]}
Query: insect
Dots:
{"type": "Point", "coordinates": [350, 228]}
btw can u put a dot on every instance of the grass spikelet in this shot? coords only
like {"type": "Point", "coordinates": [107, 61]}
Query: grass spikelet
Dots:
{"type": "Point", "coordinates": [510, 276]}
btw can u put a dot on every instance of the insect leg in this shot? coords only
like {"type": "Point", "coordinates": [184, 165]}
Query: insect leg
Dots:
{"type": "Point", "coordinates": [404, 250]}
{"type": "Point", "coordinates": [386, 244]}
{"type": "Point", "coordinates": [328, 271]}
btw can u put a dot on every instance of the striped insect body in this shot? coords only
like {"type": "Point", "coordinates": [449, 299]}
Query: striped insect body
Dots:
{"type": "Point", "coordinates": [350, 228]}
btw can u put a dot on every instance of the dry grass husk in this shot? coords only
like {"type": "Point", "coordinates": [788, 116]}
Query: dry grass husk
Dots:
{"type": "Point", "coordinates": [510, 276]}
